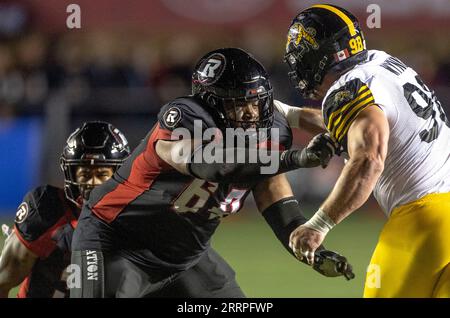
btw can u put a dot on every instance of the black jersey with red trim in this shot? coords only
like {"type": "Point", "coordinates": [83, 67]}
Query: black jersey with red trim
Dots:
{"type": "Point", "coordinates": [155, 215]}
{"type": "Point", "coordinates": [44, 224]}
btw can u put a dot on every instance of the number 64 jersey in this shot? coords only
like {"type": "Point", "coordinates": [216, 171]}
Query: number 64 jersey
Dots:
{"type": "Point", "coordinates": [156, 216]}
{"type": "Point", "coordinates": [418, 157]}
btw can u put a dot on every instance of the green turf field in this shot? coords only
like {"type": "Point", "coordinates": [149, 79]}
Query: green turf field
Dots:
{"type": "Point", "coordinates": [265, 269]}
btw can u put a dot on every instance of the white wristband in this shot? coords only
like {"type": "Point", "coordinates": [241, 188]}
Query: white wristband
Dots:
{"type": "Point", "coordinates": [320, 222]}
{"type": "Point", "coordinates": [291, 113]}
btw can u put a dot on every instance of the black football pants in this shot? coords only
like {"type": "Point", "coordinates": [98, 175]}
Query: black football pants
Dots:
{"type": "Point", "coordinates": [112, 275]}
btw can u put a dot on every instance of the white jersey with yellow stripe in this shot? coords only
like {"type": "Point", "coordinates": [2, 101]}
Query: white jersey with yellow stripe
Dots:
{"type": "Point", "coordinates": [418, 158]}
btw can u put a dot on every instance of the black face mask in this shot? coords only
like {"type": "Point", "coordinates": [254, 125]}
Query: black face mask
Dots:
{"type": "Point", "coordinates": [85, 190]}
{"type": "Point", "coordinates": [263, 115]}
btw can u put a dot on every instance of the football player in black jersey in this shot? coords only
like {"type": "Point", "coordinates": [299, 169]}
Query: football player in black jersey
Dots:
{"type": "Point", "coordinates": [150, 225]}
{"type": "Point", "coordinates": [37, 251]}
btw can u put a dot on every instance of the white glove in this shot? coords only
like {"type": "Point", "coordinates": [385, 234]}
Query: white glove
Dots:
{"type": "Point", "coordinates": [291, 113]}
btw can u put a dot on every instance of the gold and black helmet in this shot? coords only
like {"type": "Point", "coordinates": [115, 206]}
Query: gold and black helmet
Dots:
{"type": "Point", "coordinates": [322, 38]}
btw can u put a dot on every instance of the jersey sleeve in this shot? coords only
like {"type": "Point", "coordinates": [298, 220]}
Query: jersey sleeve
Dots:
{"type": "Point", "coordinates": [281, 131]}
{"type": "Point", "coordinates": [36, 219]}
{"type": "Point", "coordinates": [342, 106]}
{"type": "Point", "coordinates": [184, 116]}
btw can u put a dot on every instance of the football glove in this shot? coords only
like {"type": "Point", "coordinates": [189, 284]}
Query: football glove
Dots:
{"type": "Point", "coordinates": [331, 264]}
{"type": "Point", "coordinates": [323, 147]}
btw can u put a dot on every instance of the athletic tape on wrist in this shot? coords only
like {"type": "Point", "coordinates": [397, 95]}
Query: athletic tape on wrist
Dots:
{"type": "Point", "coordinates": [320, 222]}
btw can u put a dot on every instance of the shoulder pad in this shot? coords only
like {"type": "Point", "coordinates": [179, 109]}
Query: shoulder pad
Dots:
{"type": "Point", "coordinates": [40, 210]}
{"type": "Point", "coordinates": [343, 105]}
{"type": "Point", "coordinates": [186, 112]}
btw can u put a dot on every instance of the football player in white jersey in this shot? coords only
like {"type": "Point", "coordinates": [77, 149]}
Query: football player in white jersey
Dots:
{"type": "Point", "coordinates": [397, 138]}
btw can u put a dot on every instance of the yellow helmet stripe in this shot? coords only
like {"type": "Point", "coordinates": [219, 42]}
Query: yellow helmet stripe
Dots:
{"type": "Point", "coordinates": [341, 14]}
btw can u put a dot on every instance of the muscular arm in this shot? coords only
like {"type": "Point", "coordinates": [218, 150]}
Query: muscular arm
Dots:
{"type": "Point", "coordinates": [237, 165]}
{"type": "Point", "coordinates": [271, 190]}
{"type": "Point", "coordinates": [367, 142]}
{"type": "Point", "coordinates": [15, 264]}
{"type": "Point", "coordinates": [176, 153]}
{"type": "Point", "coordinates": [306, 118]}
{"type": "Point", "coordinates": [311, 120]}
{"type": "Point", "coordinates": [275, 201]}
{"type": "Point", "coordinates": [280, 209]}
{"type": "Point", "coordinates": [367, 147]}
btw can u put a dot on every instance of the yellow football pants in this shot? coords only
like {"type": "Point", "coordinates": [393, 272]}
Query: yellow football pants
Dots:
{"type": "Point", "coordinates": [412, 257]}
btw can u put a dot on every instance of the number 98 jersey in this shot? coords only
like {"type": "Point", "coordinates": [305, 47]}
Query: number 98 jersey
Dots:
{"type": "Point", "coordinates": [418, 157]}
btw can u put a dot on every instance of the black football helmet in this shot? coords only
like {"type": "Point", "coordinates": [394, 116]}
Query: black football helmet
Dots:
{"type": "Point", "coordinates": [322, 38]}
{"type": "Point", "coordinates": [228, 78]}
{"type": "Point", "coordinates": [95, 143]}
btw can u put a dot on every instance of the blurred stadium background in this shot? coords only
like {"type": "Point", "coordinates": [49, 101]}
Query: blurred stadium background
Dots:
{"type": "Point", "coordinates": [130, 57]}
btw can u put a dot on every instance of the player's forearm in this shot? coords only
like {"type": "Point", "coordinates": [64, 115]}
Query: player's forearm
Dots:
{"type": "Point", "coordinates": [5, 286]}
{"type": "Point", "coordinates": [8, 276]}
{"type": "Point", "coordinates": [353, 188]}
{"type": "Point", "coordinates": [215, 163]}
{"type": "Point", "coordinates": [311, 120]}
{"type": "Point", "coordinates": [307, 118]}
{"type": "Point", "coordinates": [16, 263]}
{"type": "Point", "coordinates": [176, 153]}
{"type": "Point", "coordinates": [276, 202]}
{"type": "Point", "coordinates": [282, 213]}
{"type": "Point", "coordinates": [237, 165]}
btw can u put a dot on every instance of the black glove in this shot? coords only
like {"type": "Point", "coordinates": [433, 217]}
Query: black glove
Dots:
{"type": "Point", "coordinates": [331, 264]}
{"type": "Point", "coordinates": [319, 152]}
{"type": "Point", "coordinates": [321, 149]}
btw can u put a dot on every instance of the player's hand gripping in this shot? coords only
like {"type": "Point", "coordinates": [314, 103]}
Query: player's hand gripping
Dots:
{"type": "Point", "coordinates": [332, 264]}
{"type": "Point", "coordinates": [305, 241]}
{"type": "Point", "coordinates": [321, 149]}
